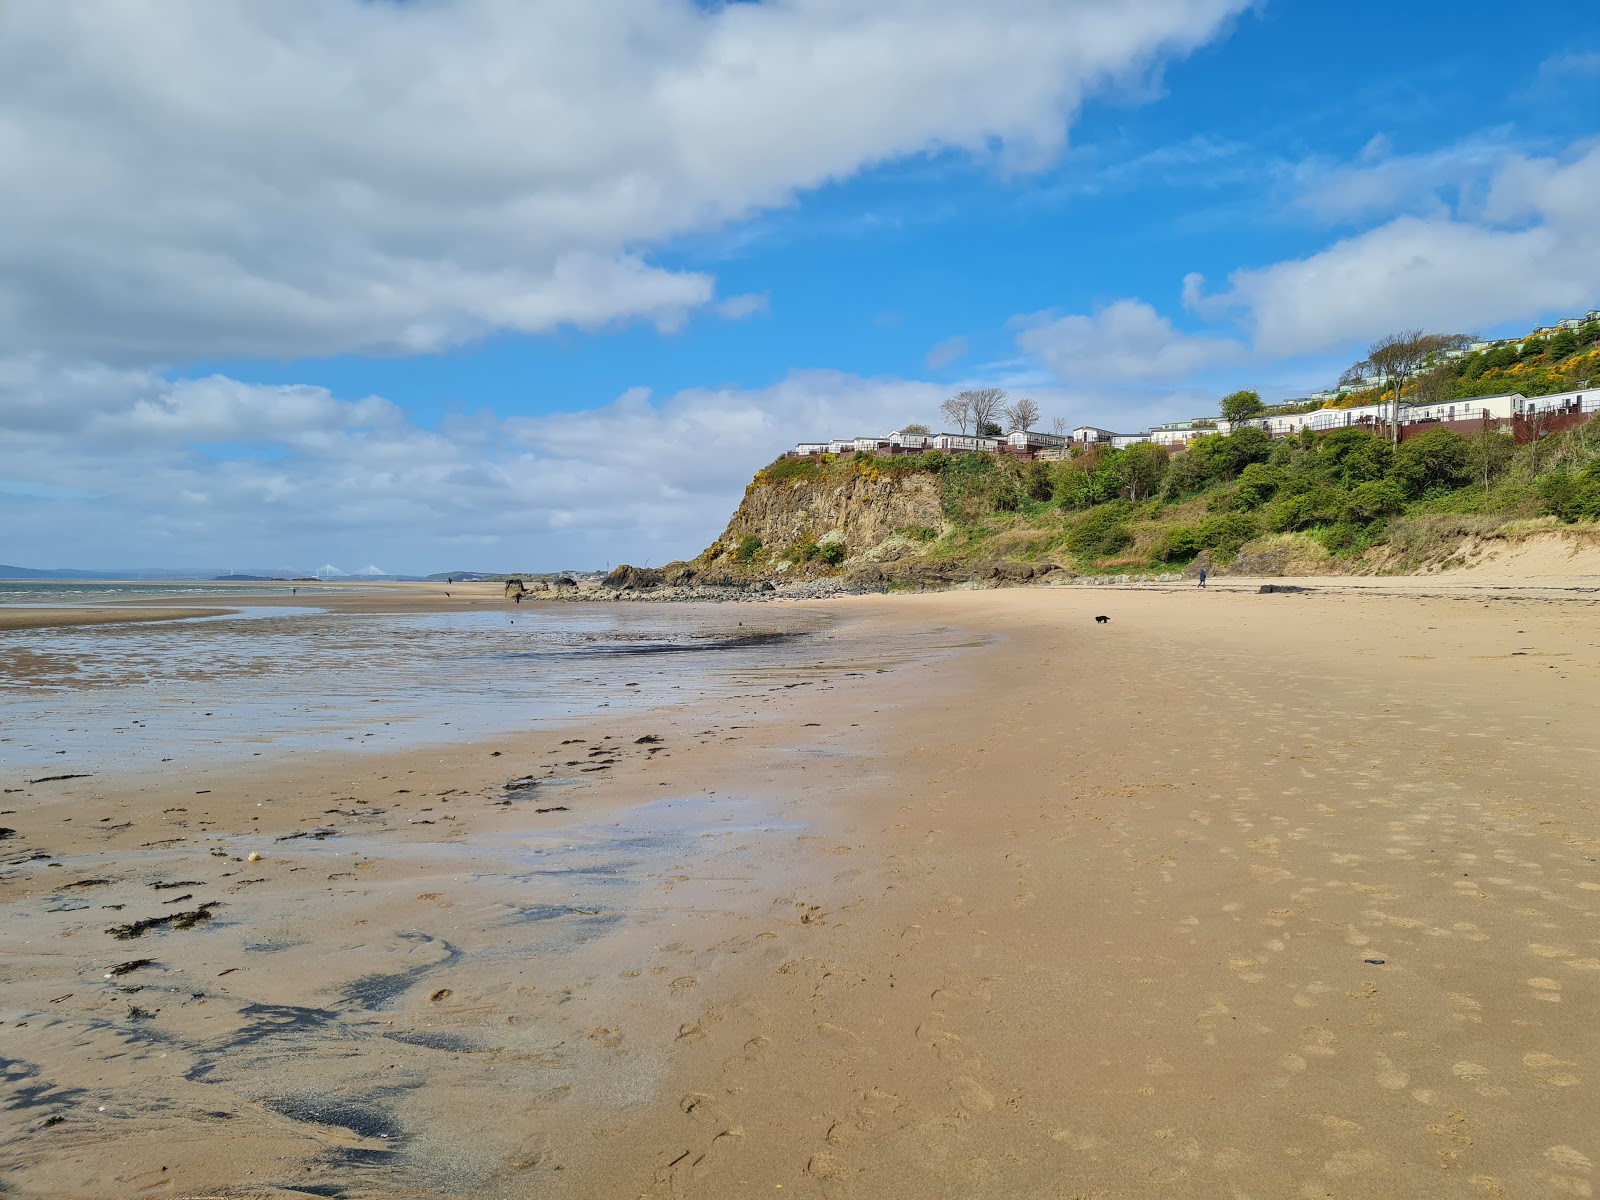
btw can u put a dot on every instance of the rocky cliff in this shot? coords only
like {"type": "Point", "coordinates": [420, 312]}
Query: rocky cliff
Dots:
{"type": "Point", "coordinates": [791, 519]}
{"type": "Point", "coordinates": [861, 523]}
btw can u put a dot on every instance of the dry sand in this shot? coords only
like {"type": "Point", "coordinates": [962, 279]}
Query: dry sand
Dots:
{"type": "Point", "coordinates": [1234, 896]}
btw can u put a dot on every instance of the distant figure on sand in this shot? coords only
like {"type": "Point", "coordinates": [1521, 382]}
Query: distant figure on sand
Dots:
{"type": "Point", "coordinates": [1202, 577]}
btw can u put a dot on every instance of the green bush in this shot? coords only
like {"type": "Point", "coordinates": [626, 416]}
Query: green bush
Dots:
{"type": "Point", "coordinates": [1571, 497]}
{"type": "Point", "coordinates": [1071, 486]}
{"type": "Point", "coordinates": [1351, 456]}
{"type": "Point", "coordinates": [1227, 532]}
{"type": "Point", "coordinates": [1257, 483]}
{"type": "Point", "coordinates": [792, 468]}
{"type": "Point", "coordinates": [976, 485]}
{"type": "Point", "coordinates": [933, 460]}
{"type": "Point", "coordinates": [1370, 502]}
{"type": "Point", "coordinates": [803, 551]}
{"type": "Point", "coordinates": [1100, 531]}
{"type": "Point", "coordinates": [1036, 481]}
{"type": "Point", "coordinates": [1341, 537]}
{"type": "Point", "coordinates": [749, 546]}
{"type": "Point", "coordinates": [1178, 544]}
{"type": "Point", "coordinates": [832, 553]}
{"type": "Point", "coordinates": [1438, 459]}
{"type": "Point", "coordinates": [1319, 505]}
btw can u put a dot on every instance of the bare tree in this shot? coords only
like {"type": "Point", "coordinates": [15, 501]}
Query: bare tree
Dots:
{"type": "Point", "coordinates": [1022, 416]}
{"type": "Point", "coordinates": [1060, 426]}
{"type": "Point", "coordinates": [983, 405]}
{"type": "Point", "coordinates": [957, 411]}
{"type": "Point", "coordinates": [1395, 359]}
{"type": "Point", "coordinates": [1434, 384]}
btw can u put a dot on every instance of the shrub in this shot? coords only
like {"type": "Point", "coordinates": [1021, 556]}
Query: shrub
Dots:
{"type": "Point", "coordinates": [1036, 481]}
{"type": "Point", "coordinates": [1355, 456]}
{"type": "Point", "coordinates": [1440, 458]}
{"type": "Point", "coordinates": [1071, 486]}
{"type": "Point", "coordinates": [1226, 532]}
{"type": "Point", "coordinates": [976, 485]}
{"type": "Point", "coordinates": [1189, 472]}
{"type": "Point", "coordinates": [1319, 505]}
{"type": "Point", "coordinates": [1570, 497]}
{"type": "Point", "coordinates": [1373, 501]}
{"type": "Point", "coordinates": [803, 551]}
{"type": "Point", "coordinates": [1178, 544]}
{"type": "Point", "coordinates": [1341, 537]}
{"type": "Point", "coordinates": [749, 546]}
{"type": "Point", "coordinates": [1257, 483]}
{"type": "Point", "coordinates": [791, 468]}
{"type": "Point", "coordinates": [1100, 531]}
{"type": "Point", "coordinates": [1232, 454]}
{"type": "Point", "coordinates": [932, 460]}
{"type": "Point", "coordinates": [832, 553]}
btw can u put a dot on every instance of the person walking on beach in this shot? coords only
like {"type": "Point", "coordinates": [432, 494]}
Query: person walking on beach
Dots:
{"type": "Point", "coordinates": [1202, 578]}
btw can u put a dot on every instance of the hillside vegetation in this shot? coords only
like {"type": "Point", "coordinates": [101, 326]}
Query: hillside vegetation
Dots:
{"type": "Point", "coordinates": [1344, 500]}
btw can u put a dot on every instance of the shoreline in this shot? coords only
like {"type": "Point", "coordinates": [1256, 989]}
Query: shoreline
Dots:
{"type": "Point", "coordinates": [1010, 919]}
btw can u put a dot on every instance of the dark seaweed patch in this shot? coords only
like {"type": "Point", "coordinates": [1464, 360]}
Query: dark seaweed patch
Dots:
{"type": "Point", "coordinates": [360, 1118]}
{"type": "Point", "coordinates": [436, 1041]}
{"type": "Point", "coordinates": [177, 920]}
{"type": "Point", "coordinates": [376, 991]}
{"type": "Point", "coordinates": [24, 1087]}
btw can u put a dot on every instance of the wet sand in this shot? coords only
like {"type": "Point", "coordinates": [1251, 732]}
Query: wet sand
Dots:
{"type": "Point", "coordinates": [1235, 895]}
{"type": "Point", "coordinates": [56, 618]}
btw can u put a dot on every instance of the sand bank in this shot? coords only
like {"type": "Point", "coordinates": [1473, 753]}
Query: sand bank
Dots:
{"type": "Point", "coordinates": [1235, 895]}
{"type": "Point", "coordinates": [57, 618]}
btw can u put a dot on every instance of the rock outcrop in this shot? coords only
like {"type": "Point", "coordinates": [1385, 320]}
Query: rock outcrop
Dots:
{"type": "Point", "coordinates": [855, 510]}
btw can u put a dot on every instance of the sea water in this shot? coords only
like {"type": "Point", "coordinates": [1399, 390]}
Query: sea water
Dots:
{"type": "Point", "coordinates": [266, 681]}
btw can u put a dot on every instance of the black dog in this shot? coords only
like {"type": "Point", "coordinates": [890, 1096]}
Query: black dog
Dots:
{"type": "Point", "coordinates": [1102, 620]}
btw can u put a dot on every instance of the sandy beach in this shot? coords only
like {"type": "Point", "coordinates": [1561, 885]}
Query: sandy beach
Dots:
{"type": "Point", "coordinates": [1235, 895]}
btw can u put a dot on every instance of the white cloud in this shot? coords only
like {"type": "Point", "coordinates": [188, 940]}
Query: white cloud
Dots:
{"type": "Point", "coordinates": [743, 306]}
{"type": "Point", "coordinates": [1125, 341]}
{"type": "Point", "coordinates": [224, 177]}
{"type": "Point", "coordinates": [1527, 247]}
{"type": "Point", "coordinates": [950, 350]}
{"type": "Point", "coordinates": [1380, 184]}
{"type": "Point", "coordinates": [150, 471]}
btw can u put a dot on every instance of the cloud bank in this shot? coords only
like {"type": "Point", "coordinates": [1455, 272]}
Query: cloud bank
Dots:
{"type": "Point", "coordinates": [191, 470]}
{"type": "Point", "coordinates": [215, 178]}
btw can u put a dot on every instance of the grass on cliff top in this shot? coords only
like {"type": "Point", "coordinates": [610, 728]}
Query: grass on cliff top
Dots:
{"type": "Point", "coordinates": [1307, 502]}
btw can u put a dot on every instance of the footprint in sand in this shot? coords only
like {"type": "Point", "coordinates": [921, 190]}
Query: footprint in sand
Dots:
{"type": "Point", "coordinates": [972, 1096]}
{"type": "Point", "coordinates": [1547, 1065]}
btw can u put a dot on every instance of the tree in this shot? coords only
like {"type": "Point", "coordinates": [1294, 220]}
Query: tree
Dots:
{"type": "Point", "coordinates": [982, 407]}
{"type": "Point", "coordinates": [989, 429]}
{"type": "Point", "coordinates": [1531, 348]}
{"type": "Point", "coordinates": [1436, 385]}
{"type": "Point", "coordinates": [1022, 416]}
{"type": "Point", "coordinates": [915, 427]}
{"type": "Point", "coordinates": [1394, 361]}
{"type": "Point", "coordinates": [1060, 426]}
{"type": "Point", "coordinates": [1139, 469]}
{"type": "Point", "coordinates": [1563, 343]}
{"type": "Point", "coordinates": [1241, 406]}
{"type": "Point", "coordinates": [957, 412]}
{"type": "Point", "coordinates": [1492, 451]}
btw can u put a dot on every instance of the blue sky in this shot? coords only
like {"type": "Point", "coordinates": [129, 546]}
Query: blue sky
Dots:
{"type": "Point", "coordinates": [420, 334]}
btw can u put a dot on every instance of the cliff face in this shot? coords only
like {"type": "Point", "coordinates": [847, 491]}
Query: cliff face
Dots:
{"type": "Point", "coordinates": [858, 512]}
